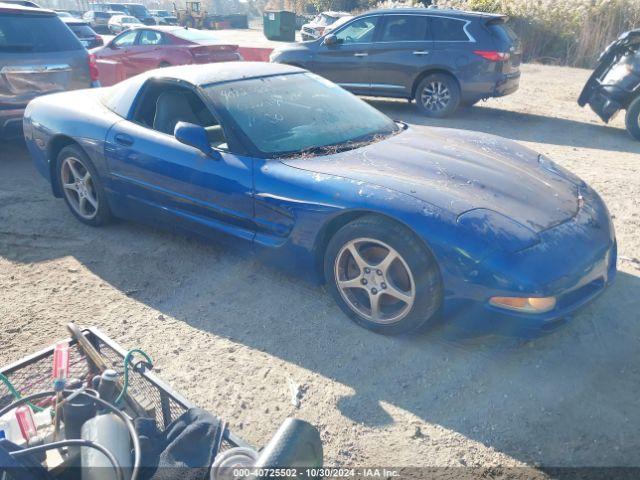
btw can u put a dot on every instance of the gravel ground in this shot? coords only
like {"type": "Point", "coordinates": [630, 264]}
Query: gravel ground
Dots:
{"type": "Point", "coordinates": [231, 333]}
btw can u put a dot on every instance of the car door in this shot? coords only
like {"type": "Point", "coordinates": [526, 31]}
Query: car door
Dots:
{"type": "Point", "coordinates": [346, 62]}
{"type": "Point", "coordinates": [145, 53]}
{"type": "Point", "coordinates": [402, 50]}
{"type": "Point", "coordinates": [157, 177]}
{"type": "Point", "coordinates": [120, 50]}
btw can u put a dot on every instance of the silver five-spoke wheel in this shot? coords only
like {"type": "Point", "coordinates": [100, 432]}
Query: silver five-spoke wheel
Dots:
{"type": "Point", "coordinates": [79, 188]}
{"type": "Point", "coordinates": [374, 280]}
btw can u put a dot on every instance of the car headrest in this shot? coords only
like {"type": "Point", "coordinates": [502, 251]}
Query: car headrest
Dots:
{"type": "Point", "coordinates": [172, 107]}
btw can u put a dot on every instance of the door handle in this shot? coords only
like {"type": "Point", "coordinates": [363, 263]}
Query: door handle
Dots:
{"type": "Point", "coordinates": [421, 52]}
{"type": "Point", "coordinates": [362, 54]}
{"type": "Point", "coordinates": [123, 139]}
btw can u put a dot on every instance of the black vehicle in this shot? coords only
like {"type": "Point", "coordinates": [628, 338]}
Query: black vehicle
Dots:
{"type": "Point", "coordinates": [439, 58]}
{"type": "Point", "coordinates": [614, 85]}
{"type": "Point", "coordinates": [139, 11]}
{"type": "Point", "coordinates": [87, 35]}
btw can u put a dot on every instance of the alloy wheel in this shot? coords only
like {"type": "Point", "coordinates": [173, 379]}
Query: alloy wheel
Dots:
{"type": "Point", "coordinates": [435, 96]}
{"type": "Point", "coordinates": [79, 188]}
{"type": "Point", "coordinates": [374, 280]}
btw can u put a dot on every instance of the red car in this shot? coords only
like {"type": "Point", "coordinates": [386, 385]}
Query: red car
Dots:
{"type": "Point", "coordinates": [142, 49]}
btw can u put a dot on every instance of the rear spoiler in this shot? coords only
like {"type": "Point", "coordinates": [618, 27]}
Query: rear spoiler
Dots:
{"type": "Point", "coordinates": [496, 19]}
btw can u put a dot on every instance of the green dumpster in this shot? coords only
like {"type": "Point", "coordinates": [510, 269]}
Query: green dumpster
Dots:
{"type": "Point", "coordinates": [279, 25]}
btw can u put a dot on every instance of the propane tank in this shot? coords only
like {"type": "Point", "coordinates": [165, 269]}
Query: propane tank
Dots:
{"type": "Point", "coordinates": [111, 432]}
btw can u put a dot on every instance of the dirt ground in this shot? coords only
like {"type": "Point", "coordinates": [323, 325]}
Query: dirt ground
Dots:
{"type": "Point", "coordinates": [231, 333]}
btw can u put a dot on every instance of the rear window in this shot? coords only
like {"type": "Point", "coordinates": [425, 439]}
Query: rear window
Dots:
{"type": "Point", "coordinates": [82, 31]}
{"type": "Point", "coordinates": [102, 15]}
{"type": "Point", "coordinates": [448, 30]}
{"type": "Point", "coordinates": [504, 33]}
{"type": "Point", "coordinates": [35, 33]}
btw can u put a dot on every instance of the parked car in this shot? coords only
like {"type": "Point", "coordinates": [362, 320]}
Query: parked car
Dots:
{"type": "Point", "coordinates": [120, 23]}
{"type": "Point", "coordinates": [614, 85]}
{"type": "Point", "coordinates": [147, 48]}
{"type": "Point", "coordinates": [87, 35]}
{"type": "Point", "coordinates": [38, 55]}
{"type": "Point", "coordinates": [401, 224]}
{"type": "Point", "coordinates": [139, 11]}
{"type": "Point", "coordinates": [110, 7]}
{"type": "Point", "coordinates": [99, 20]}
{"type": "Point", "coordinates": [164, 17]}
{"type": "Point", "coordinates": [63, 14]}
{"type": "Point", "coordinates": [439, 58]}
{"type": "Point", "coordinates": [315, 28]}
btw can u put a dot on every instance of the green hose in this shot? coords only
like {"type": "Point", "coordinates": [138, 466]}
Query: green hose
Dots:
{"type": "Point", "coordinates": [127, 362]}
{"type": "Point", "coordinates": [16, 394]}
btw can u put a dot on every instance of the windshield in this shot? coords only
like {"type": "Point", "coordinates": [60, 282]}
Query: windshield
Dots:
{"type": "Point", "coordinates": [162, 13]}
{"type": "Point", "coordinates": [129, 20]}
{"type": "Point", "coordinates": [299, 113]}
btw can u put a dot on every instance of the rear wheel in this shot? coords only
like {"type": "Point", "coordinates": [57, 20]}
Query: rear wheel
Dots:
{"type": "Point", "coordinates": [382, 276]}
{"type": "Point", "coordinates": [81, 187]}
{"type": "Point", "coordinates": [437, 95]}
{"type": "Point", "coordinates": [632, 119]}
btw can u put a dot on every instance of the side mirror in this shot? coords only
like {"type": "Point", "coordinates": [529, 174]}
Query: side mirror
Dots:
{"type": "Point", "coordinates": [193, 135]}
{"type": "Point", "coordinates": [112, 45]}
{"type": "Point", "coordinates": [330, 40]}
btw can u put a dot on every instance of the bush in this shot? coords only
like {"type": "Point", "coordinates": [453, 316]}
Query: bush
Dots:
{"type": "Point", "coordinates": [566, 32]}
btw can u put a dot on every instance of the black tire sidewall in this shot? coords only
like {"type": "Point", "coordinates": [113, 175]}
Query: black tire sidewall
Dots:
{"type": "Point", "coordinates": [454, 101]}
{"type": "Point", "coordinates": [420, 260]}
{"type": "Point", "coordinates": [104, 214]}
{"type": "Point", "coordinates": [632, 119]}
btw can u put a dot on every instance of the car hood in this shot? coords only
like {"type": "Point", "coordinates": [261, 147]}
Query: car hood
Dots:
{"type": "Point", "coordinates": [458, 171]}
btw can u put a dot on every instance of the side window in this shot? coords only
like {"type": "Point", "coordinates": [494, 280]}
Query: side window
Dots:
{"type": "Point", "coordinates": [358, 31]}
{"type": "Point", "coordinates": [126, 39]}
{"type": "Point", "coordinates": [404, 28]}
{"type": "Point", "coordinates": [448, 30]}
{"type": "Point", "coordinates": [150, 37]}
{"type": "Point", "coordinates": [162, 106]}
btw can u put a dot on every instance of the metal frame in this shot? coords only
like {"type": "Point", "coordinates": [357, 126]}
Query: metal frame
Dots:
{"type": "Point", "coordinates": [93, 334]}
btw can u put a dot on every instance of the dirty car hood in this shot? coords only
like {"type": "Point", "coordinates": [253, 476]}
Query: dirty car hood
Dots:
{"type": "Point", "coordinates": [458, 170]}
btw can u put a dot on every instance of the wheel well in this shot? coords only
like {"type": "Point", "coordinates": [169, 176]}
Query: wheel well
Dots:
{"type": "Point", "coordinates": [335, 224]}
{"type": "Point", "coordinates": [56, 144]}
{"type": "Point", "coordinates": [431, 72]}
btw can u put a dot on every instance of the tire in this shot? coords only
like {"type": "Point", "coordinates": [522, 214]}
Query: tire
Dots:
{"type": "Point", "coordinates": [94, 213]}
{"type": "Point", "coordinates": [632, 119]}
{"type": "Point", "coordinates": [437, 95]}
{"type": "Point", "coordinates": [414, 274]}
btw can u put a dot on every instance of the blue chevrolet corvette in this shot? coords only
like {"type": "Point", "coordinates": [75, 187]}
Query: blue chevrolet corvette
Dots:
{"type": "Point", "coordinates": [403, 226]}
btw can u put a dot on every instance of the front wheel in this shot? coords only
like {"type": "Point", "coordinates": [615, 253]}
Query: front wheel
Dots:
{"type": "Point", "coordinates": [437, 95]}
{"type": "Point", "coordinates": [81, 187]}
{"type": "Point", "coordinates": [382, 276]}
{"type": "Point", "coordinates": [632, 119]}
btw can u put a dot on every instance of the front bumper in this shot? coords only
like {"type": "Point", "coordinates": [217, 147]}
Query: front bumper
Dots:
{"type": "Point", "coordinates": [574, 261]}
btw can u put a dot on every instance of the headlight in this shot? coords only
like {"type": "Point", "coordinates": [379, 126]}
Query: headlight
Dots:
{"type": "Point", "coordinates": [525, 304]}
{"type": "Point", "coordinates": [496, 231]}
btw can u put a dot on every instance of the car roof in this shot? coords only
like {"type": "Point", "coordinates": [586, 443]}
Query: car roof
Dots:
{"type": "Point", "coordinates": [17, 8]}
{"type": "Point", "coordinates": [436, 12]}
{"type": "Point", "coordinates": [207, 74]}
